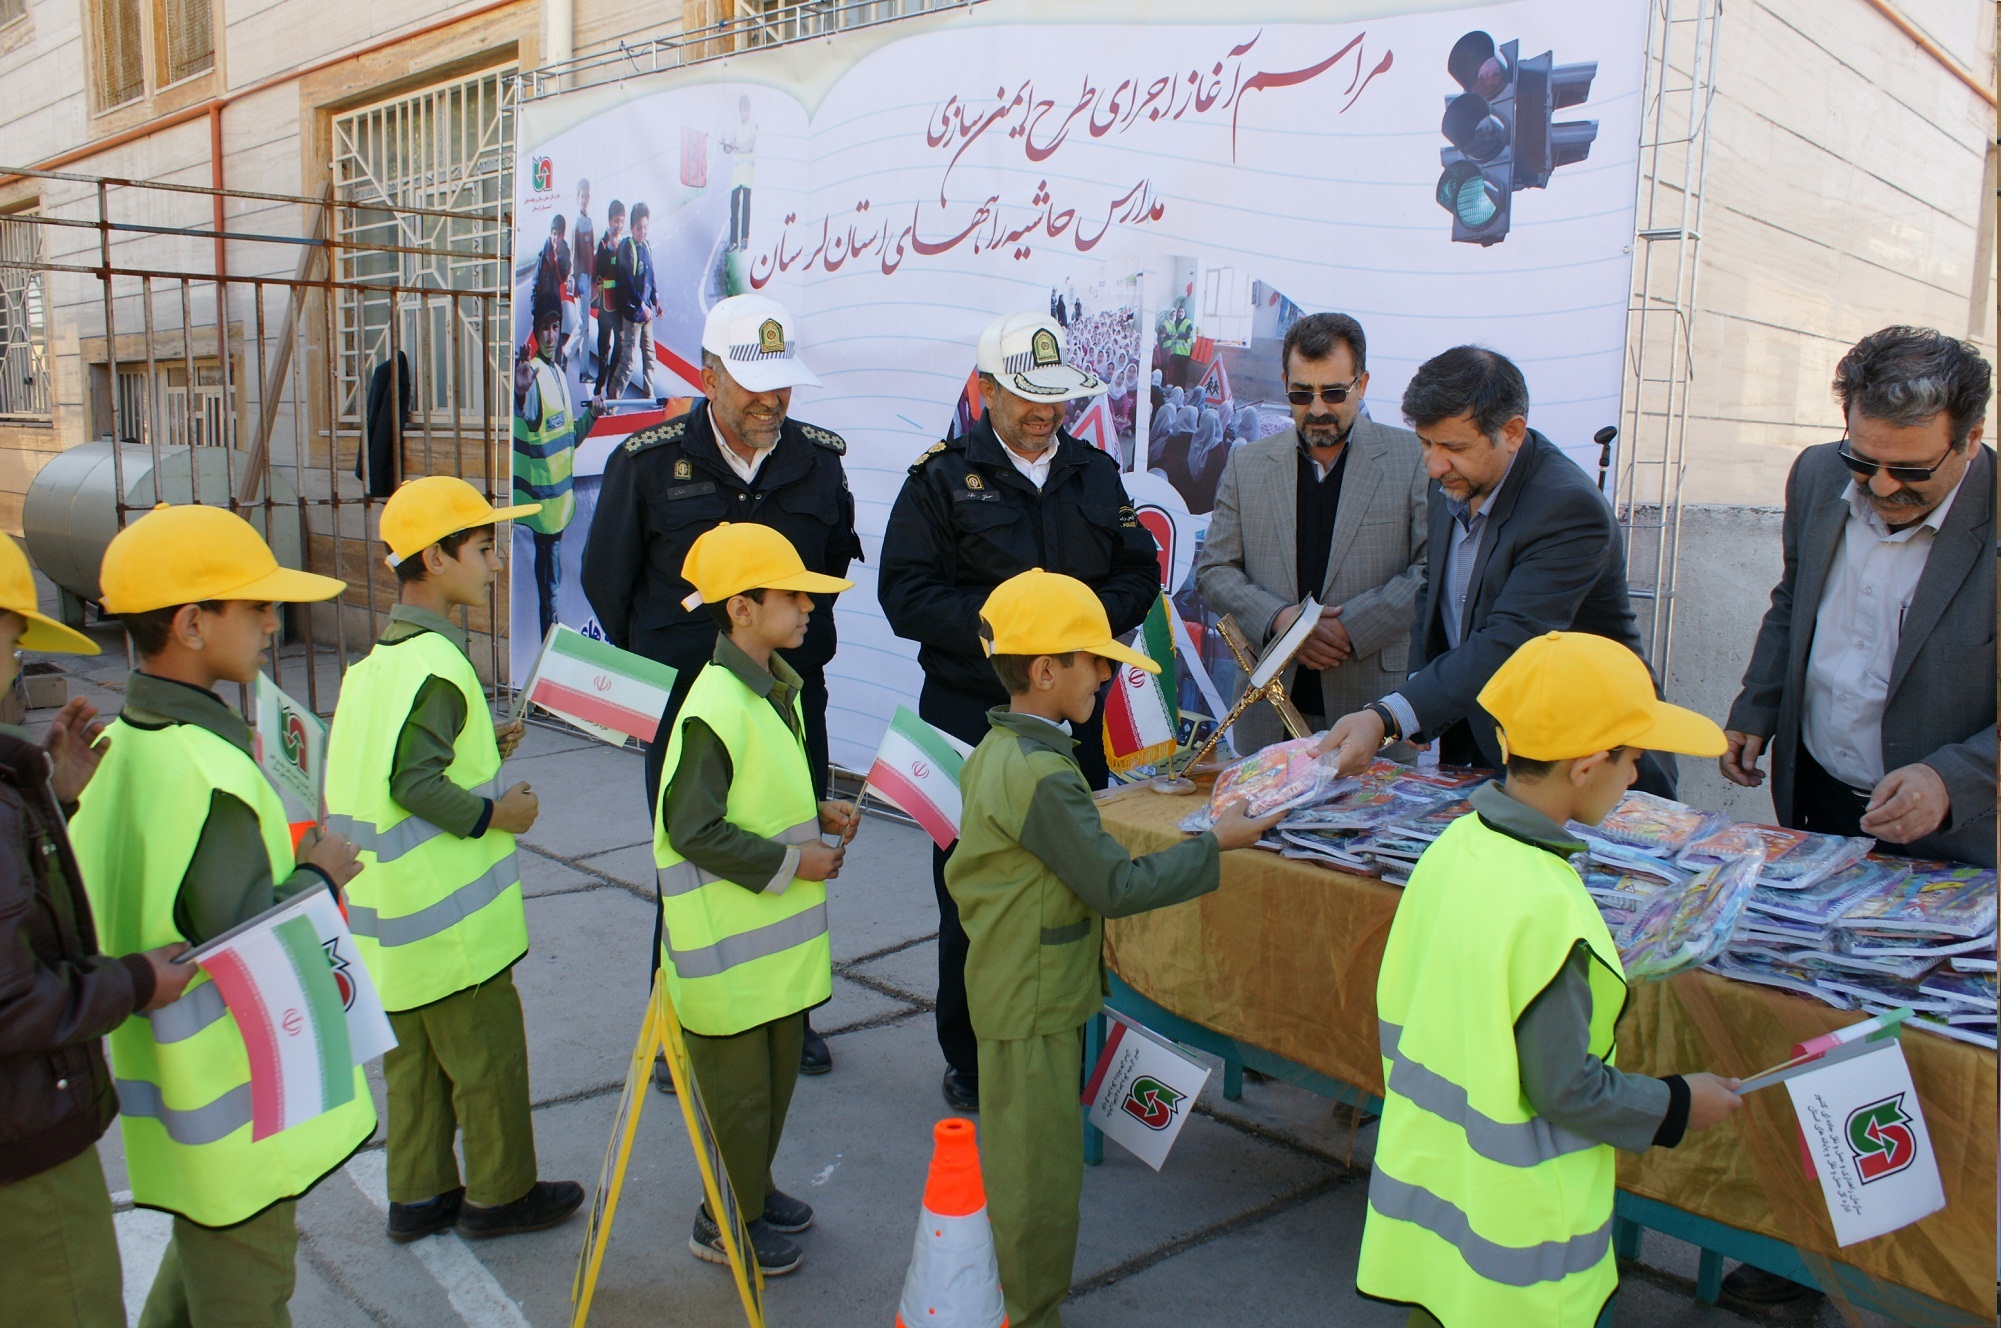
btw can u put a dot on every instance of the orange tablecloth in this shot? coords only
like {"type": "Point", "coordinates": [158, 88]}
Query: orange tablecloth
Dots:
{"type": "Point", "coordinates": [1285, 955]}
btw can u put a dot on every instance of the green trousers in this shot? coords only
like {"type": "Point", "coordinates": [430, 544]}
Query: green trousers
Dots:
{"type": "Point", "coordinates": [58, 1252]}
{"type": "Point", "coordinates": [747, 1084]}
{"type": "Point", "coordinates": [461, 1064]}
{"type": "Point", "coordinates": [1033, 1167]}
{"type": "Point", "coordinates": [236, 1277]}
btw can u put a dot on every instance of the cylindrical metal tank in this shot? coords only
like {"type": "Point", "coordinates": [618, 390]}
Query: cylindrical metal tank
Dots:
{"type": "Point", "coordinates": [70, 513]}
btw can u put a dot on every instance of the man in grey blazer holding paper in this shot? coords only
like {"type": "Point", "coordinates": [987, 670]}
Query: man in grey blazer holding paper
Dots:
{"type": "Point", "coordinates": [1335, 507]}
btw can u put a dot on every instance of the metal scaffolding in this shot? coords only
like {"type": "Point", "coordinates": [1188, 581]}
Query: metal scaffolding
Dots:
{"type": "Point", "coordinates": [1678, 86]}
{"type": "Point", "coordinates": [237, 383]}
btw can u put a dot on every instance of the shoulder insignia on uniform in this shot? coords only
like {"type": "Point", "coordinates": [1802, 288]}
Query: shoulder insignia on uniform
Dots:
{"type": "Point", "coordinates": [1127, 517]}
{"type": "Point", "coordinates": [671, 432]}
{"type": "Point", "coordinates": [827, 438]}
{"type": "Point", "coordinates": [928, 455]}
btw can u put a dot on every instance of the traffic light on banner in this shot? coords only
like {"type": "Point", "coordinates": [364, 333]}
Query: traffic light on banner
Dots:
{"type": "Point", "coordinates": [1502, 134]}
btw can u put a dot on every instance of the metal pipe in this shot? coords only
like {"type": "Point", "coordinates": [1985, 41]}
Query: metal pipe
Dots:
{"type": "Point", "coordinates": [1941, 57]}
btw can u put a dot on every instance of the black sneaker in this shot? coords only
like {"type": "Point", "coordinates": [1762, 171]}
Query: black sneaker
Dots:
{"type": "Point", "coordinates": [547, 1203]}
{"type": "Point", "coordinates": [815, 1058]}
{"type": "Point", "coordinates": [962, 1091]}
{"type": "Point", "coordinates": [415, 1221]}
{"type": "Point", "coordinates": [664, 1082]}
{"type": "Point", "coordinates": [1757, 1286]}
{"type": "Point", "coordinates": [785, 1213]}
{"type": "Point", "coordinates": [776, 1255]}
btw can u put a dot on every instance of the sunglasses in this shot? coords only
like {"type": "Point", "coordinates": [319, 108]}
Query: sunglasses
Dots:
{"type": "Point", "coordinates": [1331, 396]}
{"type": "Point", "coordinates": [1865, 468]}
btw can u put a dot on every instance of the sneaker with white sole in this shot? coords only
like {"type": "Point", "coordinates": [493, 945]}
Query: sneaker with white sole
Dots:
{"type": "Point", "coordinates": [776, 1255]}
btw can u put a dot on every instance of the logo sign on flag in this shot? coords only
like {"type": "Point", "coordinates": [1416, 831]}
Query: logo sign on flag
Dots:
{"type": "Point", "coordinates": [1867, 1143]}
{"type": "Point", "coordinates": [1142, 1091]}
{"type": "Point", "coordinates": [291, 743]}
{"type": "Point", "coordinates": [304, 1003]}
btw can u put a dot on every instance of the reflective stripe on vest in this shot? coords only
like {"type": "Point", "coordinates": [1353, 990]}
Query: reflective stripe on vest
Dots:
{"type": "Point", "coordinates": [183, 1073]}
{"type": "Point", "coordinates": [448, 912]}
{"type": "Point", "coordinates": [432, 913]}
{"type": "Point", "coordinates": [1512, 1265]}
{"type": "Point", "coordinates": [1480, 1209]}
{"type": "Point", "coordinates": [407, 835]}
{"type": "Point", "coordinates": [736, 958]}
{"type": "Point", "coordinates": [683, 877]}
{"type": "Point", "coordinates": [1513, 1143]}
{"type": "Point", "coordinates": [543, 456]}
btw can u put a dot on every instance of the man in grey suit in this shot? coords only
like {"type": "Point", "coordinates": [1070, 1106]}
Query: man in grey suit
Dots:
{"type": "Point", "coordinates": [1875, 672]}
{"type": "Point", "coordinates": [1336, 507]}
{"type": "Point", "coordinates": [1519, 542]}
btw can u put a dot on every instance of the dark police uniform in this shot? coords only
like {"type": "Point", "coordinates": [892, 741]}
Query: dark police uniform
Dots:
{"type": "Point", "coordinates": [966, 521]}
{"type": "Point", "coordinates": [665, 486]}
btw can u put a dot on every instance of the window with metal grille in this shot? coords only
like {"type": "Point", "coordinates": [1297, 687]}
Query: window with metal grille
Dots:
{"type": "Point", "coordinates": [191, 41]}
{"type": "Point", "coordinates": [24, 329]}
{"type": "Point", "coordinates": [448, 148]}
{"type": "Point", "coordinates": [119, 63]}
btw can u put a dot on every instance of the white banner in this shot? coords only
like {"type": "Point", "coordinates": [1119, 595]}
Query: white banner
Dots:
{"type": "Point", "coordinates": [291, 746]}
{"type": "Point", "coordinates": [1866, 1141]}
{"type": "Point", "coordinates": [900, 187]}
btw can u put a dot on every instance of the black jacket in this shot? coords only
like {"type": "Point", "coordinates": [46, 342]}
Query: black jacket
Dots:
{"type": "Point", "coordinates": [1550, 560]}
{"type": "Point", "coordinates": [666, 485]}
{"type": "Point", "coordinates": [58, 995]}
{"type": "Point", "coordinates": [967, 520]}
{"type": "Point", "coordinates": [383, 418]}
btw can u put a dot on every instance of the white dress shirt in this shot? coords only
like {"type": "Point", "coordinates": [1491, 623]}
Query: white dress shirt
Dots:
{"type": "Point", "coordinates": [747, 470]}
{"type": "Point", "coordinates": [1034, 471]}
{"type": "Point", "coordinates": [1871, 582]}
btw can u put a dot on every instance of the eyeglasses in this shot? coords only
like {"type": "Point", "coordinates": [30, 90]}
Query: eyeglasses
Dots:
{"type": "Point", "coordinates": [1865, 468]}
{"type": "Point", "coordinates": [1331, 396]}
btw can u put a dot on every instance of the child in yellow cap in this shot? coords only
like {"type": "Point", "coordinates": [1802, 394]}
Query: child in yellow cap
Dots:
{"type": "Point", "coordinates": [414, 778]}
{"type": "Point", "coordinates": [180, 837]}
{"type": "Point", "coordinates": [737, 838]}
{"type": "Point", "coordinates": [62, 995]}
{"type": "Point", "coordinates": [1492, 1190]}
{"type": "Point", "coordinates": [1035, 876]}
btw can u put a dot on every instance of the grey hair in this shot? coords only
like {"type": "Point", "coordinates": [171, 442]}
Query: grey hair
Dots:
{"type": "Point", "coordinates": [1908, 375]}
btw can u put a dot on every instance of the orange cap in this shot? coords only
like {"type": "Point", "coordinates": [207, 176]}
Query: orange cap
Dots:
{"type": "Point", "coordinates": [953, 1185]}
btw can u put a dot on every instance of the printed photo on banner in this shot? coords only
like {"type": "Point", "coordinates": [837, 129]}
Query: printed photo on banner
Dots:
{"type": "Point", "coordinates": [1143, 184]}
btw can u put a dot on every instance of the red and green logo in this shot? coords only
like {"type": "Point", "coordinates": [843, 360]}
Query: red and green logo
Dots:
{"type": "Point", "coordinates": [1152, 1102]}
{"type": "Point", "coordinates": [292, 737]}
{"type": "Point", "coordinates": [1882, 1140]}
{"type": "Point", "coordinates": [541, 174]}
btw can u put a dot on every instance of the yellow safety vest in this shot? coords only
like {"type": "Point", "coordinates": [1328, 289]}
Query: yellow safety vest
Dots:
{"type": "Point", "coordinates": [1481, 1210]}
{"type": "Point", "coordinates": [432, 913]}
{"type": "Point", "coordinates": [736, 959]}
{"type": "Point", "coordinates": [543, 455]}
{"type": "Point", "coordinates": [184, 1095]}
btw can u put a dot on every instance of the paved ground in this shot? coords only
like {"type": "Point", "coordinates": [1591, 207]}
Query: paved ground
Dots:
{"type": "Point", "coordinates": [1256, 1217]}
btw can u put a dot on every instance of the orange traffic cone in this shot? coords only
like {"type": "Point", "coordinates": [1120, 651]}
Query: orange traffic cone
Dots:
{"type": "Point", "coordinates": [953, 1282]}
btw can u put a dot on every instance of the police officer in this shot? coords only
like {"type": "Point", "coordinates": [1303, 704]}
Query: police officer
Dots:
{"type": "Point", "coordinates": [1015, 492]}
{"type": "Point", "coordinates": [734, 457]}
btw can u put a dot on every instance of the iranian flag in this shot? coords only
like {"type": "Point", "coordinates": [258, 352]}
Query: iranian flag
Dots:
{"type": "Point", "coordinates": [917, 770]}
{"type": "Point", "coordinates": [1141, 708]}
{"type": "Point", "coordinates": [610, 693]}
{"type": "Point", "coordinates": [304, 1004]}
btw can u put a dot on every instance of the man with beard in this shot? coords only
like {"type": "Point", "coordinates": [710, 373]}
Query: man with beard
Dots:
{"type": "Point", "coordinates": [734, 457]}
{"type": "Point", "coordinates": [1015, 492]}
{"type": "Point", "coordinates": [1335, 508]}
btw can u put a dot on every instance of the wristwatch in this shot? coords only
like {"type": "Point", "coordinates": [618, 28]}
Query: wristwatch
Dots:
{"type": "Point", "coordinates": [1391, 723]}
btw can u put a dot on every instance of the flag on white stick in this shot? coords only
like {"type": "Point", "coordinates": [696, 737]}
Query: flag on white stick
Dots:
{"type": "Point", "coordinates": [917, 770]}
{"type": "Point", "coordinates": [1866, 1141]}
{"type": "Point", "coordinates": [1142, 1091]}
{"type": "Point", "coordinates": [610, 693]}
{"type": "Point", "coordinates": [308, 1012]}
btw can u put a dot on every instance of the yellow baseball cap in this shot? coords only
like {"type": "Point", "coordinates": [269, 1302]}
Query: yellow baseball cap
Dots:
{"type": "Point", "coordinates": [1569, 694]}
{"type": "Point", "coordinates": [1046, 613]}
{"type": "Point", "coordinates": [423, 512]}
{"type": "Point", "coordinates": [734, 557]}
{"type": "Point", "coordinates": [188, 554]}
{"type": "Point", "coordinates": [17, 595]}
